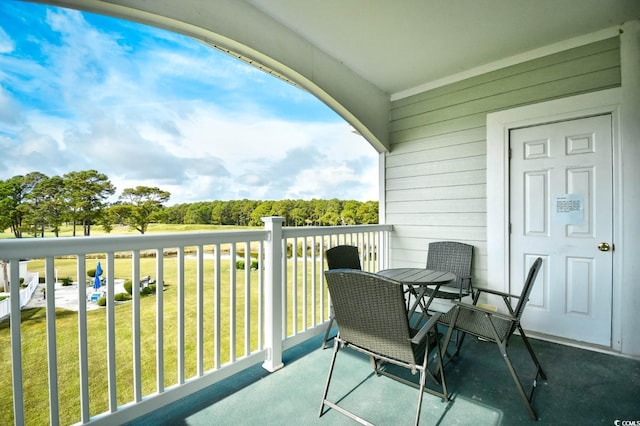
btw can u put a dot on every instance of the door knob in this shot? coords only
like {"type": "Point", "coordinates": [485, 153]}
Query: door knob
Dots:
{"type": "Point", "coordinates": [604, 246]}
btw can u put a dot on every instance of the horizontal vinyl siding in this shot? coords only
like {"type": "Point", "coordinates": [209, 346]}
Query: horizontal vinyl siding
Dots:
{"type": "Point", "coordinates": [435, 185]}
{"type": "Point", "coordinates": [490, 82]}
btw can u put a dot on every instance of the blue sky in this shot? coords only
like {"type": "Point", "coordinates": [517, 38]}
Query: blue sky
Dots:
{"type": "Point", "coordinates": [149, 107]}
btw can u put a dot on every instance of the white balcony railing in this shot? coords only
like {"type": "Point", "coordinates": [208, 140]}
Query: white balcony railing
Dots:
{"type": "Point", "coordinates": [221, 319]}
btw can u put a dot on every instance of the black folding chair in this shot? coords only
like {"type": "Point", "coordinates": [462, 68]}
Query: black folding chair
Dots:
{"type": "Point", "coordinates": [497, 328]}
{"type": "Point", "coordinates": [373, 319]}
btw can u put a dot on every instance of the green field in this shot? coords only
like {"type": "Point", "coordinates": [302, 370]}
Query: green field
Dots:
{"type": "Point", "coordinates": [67, 230]}
{"type": "Point", "coordinates": [34, 350]}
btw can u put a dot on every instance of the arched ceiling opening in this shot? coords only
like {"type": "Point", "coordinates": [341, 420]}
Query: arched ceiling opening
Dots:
{"type": "Point", "coordinates": [357, 56]}
{"type": "Point", "coordinates": [241, 30]}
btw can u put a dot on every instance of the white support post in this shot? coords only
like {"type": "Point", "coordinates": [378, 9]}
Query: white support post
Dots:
{"type": "Point", "coordinates": [626, 337]}
{"type": "Point", "coordinates": [273, 294]}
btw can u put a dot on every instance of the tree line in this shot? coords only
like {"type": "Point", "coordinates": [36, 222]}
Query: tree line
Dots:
{"type": "Point", "coordinates": [34, 203]}
{"type": "Point", "coordinates": [295, 212]}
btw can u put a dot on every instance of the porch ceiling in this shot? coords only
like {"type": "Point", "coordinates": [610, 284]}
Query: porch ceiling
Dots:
{"type": "Point", "coordinates": [400, 45]}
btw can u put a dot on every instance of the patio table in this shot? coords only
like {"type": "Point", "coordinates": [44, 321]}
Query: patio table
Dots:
{"type": "Point", "coordinates": [417, 280]}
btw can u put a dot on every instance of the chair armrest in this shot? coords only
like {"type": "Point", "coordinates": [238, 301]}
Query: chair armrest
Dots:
{"type": "Point", "coordinates": [420, 335]}
{"type": "Point", "coordinates": [496, 292]}
{"type": "Point", "coordinates": [475, 308]}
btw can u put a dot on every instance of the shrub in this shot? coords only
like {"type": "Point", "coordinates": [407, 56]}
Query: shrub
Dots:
{"type": "Point", "coordinates": [127, 286]}
{"type": "Point", "coordinates": [66, 281]}
{"type": "Point", "coordinates": [121, 297]}
{"type": "Point", "coordinates": [310, 249]}
{"type": "Point", "coordinates": [41, 280]}
{"type": "Point", "coordinates": [102, 301]}
{"type": "Point", "coordinates": [21, 280]}
{"type": "Point", "coordinates": [146, 291]}
{"type": "Point", "coordinates": [240, 264]}
{"type": "Point", "coordinates": [3, 297]}
{"type": "Point", "coordinates": [91, 273]}
{"type": "Point", "coordinates": [152, 288]}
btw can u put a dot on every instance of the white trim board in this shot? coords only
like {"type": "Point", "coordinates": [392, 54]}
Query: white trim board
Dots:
{"type": "Point", "coordinates": [499, 125]}
{"type": "Point", "coordinates": [512, 60]}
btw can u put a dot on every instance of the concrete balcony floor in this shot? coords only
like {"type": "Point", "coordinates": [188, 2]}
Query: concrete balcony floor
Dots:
{"type": "Point", "coordinates": [583, 387]}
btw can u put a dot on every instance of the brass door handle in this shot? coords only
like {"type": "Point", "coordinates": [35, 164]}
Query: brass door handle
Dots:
{"type": "Point", "coordinates": [604, 246]}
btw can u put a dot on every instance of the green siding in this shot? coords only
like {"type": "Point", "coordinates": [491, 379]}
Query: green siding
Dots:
{"type": "Point", "coordinates": [567, 56]}
{"type": "Point", "coordinates": [436, 170]}
{"type": "Point", "coordinates": [584, 69]}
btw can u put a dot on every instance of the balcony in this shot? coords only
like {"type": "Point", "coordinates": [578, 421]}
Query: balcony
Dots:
{"type": "Point", "coordinates": [209, 319]}
{"type": "Point", "coordinates": [583, 388]}
{"type": "Point", "coordinates": [241, 346]}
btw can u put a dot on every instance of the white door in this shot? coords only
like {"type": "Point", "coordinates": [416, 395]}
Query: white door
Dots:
{"type": "Point", "coordinates": [561, 195]}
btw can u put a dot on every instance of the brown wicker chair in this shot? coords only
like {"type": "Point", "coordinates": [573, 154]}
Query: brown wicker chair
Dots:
{"type": "Point", "coordinates": [497, 328]}
{"type": "Point", "coordinates": [373, 319]}
{"type": "Point", "coordinates": [340, 257]}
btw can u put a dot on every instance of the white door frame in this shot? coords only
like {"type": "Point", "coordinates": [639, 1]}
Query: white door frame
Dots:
{"type": "Point", "coordinates": [498, 126]}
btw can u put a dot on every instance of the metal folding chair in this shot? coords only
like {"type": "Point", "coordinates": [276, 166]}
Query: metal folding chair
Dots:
{"type": "Point", "coordinates": [497, 328]}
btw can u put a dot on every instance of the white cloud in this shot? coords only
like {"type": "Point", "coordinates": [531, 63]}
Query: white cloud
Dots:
{"type": "Point", "coordinates": [6, 43]}
{"type": "Point", "coordinates": [185, 118]}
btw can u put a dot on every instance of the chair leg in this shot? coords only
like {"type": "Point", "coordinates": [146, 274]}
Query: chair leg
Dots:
{"type": "Point", "coordinates": [336, 348]}
{"type": "Point", "coordinates": [443, 381]}
{"type": "Point", "coordinates": [533, 355]}
{"type": "Point", "coordinates": [326, 334]}
{"type": "Point", "coordinates": [503, 350]}
{"type": "Point", "coordinates": [444, 353]}
{"type": "Point", "coordinates": [423, 375]}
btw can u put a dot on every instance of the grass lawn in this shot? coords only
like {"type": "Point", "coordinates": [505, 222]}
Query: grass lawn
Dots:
{"type": "Point", "coordinates": [67, 230]}
{"type": "Point", "coordinates": [34, 350]}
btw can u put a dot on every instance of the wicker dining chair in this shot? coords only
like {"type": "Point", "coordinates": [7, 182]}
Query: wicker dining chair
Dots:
{"type": "Point", "coordinates": [497, 328]}
{"type": "Point", "coordinates": [340, 257]}
{"type": "Point", "coordinates": [373, 320]}
{"type": "Point", "coordinates": [451, 256]}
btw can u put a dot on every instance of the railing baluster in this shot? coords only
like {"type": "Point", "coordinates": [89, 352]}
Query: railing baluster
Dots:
{"type": "Point", "coordinates": [16, 343]}
{"type": "Point", "coordinates": [314, 319]}
{"type": "Point", "coordinates": [217, 307]}
{"type": "Point", "coordinates": [83, 351]}
{"type": "Point", "coordinates": [367, 251]}
{"type": "Point", "coordinates": [160, 320]}
{"type": "Point", "coordinates": [260, 293]}
{"type": "Point", "coordinates": [294, 285]}
{"type": "Point", "coordinates": [285, 286]}
{"type": "Point", "coordinates": [52, 359]}
{"type": "Point", "coordinates": [200, 310]}
{"type": "Point", "coordinates": [247, 299]}
{"type": "Point", "coordinates": [135, 326]}
{"type": "Point", "coordinates": [232, 303]}
{"type": "Point", "coordinates": [304, 285]}
{"type": "Point", "coordinates": [111, 335]}
{"type": "Point", "coordinates": [324, 311]}
{"type": "Point", "coordinates": [181, 284]}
